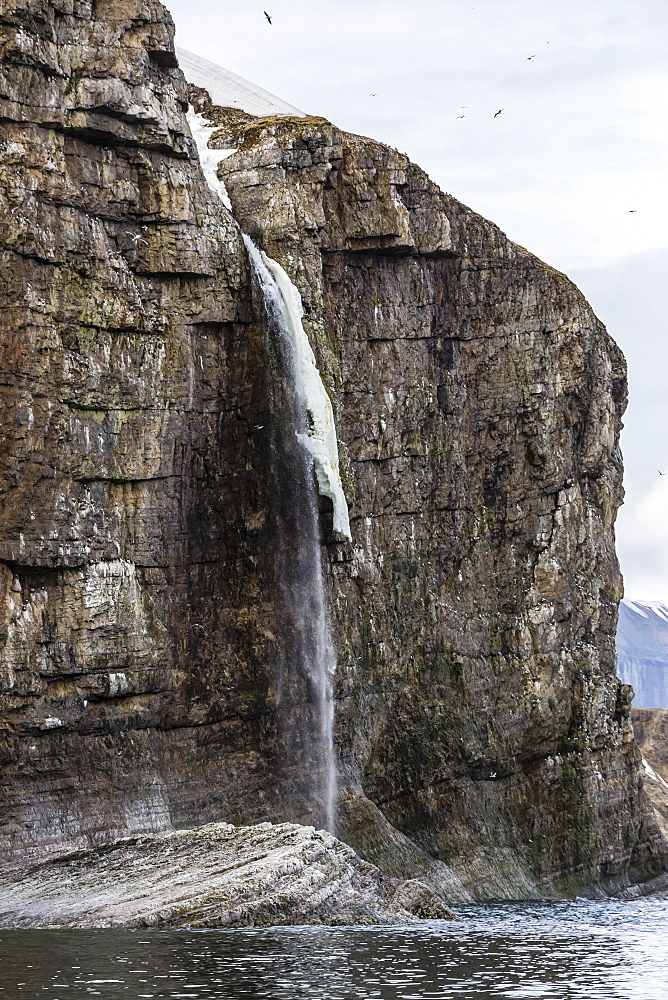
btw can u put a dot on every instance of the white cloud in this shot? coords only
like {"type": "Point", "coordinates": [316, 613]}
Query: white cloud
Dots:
{"type": "Point", "coordinates": [643, 529]}
{"type": "Point", "coordinates": [581, 140]}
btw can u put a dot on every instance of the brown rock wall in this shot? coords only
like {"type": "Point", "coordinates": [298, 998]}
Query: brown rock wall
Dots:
{"type": "Point", "coordinates": [142, 621]}
{"type": "Point", "coordinates": [139, 615]}
{"type": "Point", "coordinates": [479, 403]}
{"type": "Point", "coordinates": [650, 726]}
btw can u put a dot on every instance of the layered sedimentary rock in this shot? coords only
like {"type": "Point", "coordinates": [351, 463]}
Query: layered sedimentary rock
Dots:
{"type": "Point", "coordinates": [479, 400]}
{"type": "Point", "coordinates": [216, 876]}
{"type": "Point", "coordinates": [651, 731]}
{"type": "Point", "coordinates": [479, 724]}
{"type": "Point", "coordinates": [141, 612]}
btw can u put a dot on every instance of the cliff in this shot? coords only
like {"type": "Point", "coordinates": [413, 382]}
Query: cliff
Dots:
{"type": "Point", "coordinates": [146, 670]}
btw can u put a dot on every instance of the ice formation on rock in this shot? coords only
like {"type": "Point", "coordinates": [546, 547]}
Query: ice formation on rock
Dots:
{"type": "Point", "coordinates": [320, 438]}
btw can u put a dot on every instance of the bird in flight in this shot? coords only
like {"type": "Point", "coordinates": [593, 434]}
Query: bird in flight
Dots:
{"type": "Point", "coordinates": [461, 116]}
{"type": "Point", "coordinates": [136, 238]}
{"type": "Point", "coordinates": [373, 95]}
{"type": "Point", "coordinates": [498, 112]}
{"type": "Point", "coordinates": [530, 57]}
{"type": "Point", "coordinates": [632, 210]}
{"type": "Point", "coordinates": [267, 16]}
{"type": "Point", "coordinates": [660, 472]}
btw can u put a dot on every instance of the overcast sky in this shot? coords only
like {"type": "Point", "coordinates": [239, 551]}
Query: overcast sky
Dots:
{"type": "Point", "coordinates": [574, 168]}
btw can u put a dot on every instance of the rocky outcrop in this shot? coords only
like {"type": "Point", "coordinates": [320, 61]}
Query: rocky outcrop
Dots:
{"type": "Point", "coordinates": [651, 731]}
{"type": "Point", "coordinates": [483, 737]}
{"type": "Point", "coordinates": [216, 876]}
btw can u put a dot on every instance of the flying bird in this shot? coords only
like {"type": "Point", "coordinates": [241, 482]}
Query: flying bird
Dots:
{"type": "Point", "coordinates": [267, 16]}
{"type": "Point", "coordinates": [136, 238]}
{"type": "Point", "coordinates": [373, 95]}
{"type": "Point", "coordinates": [530, 57]}
{"type": "Point", "coordinates": [660, 472]}
{"type": "Point", "coordinates": [632, 210]}
{"type": "Point", "coordinates": [461, 116]}
{"type": "Point", "coordinates": [498, 112]}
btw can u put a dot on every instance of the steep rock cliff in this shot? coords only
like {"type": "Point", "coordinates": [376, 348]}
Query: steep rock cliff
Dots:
{"type": "Point", "coordinates": [479, 401]}
{"type": "Point", "coordinates": [479, 721]}
{"type": "Point", "coordinates": [651, 731]}
{"type": "Point", "coordinates": [140, 611]}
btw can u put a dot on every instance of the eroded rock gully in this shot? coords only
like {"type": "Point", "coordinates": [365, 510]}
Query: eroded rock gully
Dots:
{"type": "Point", "coordinates": [484, 740]}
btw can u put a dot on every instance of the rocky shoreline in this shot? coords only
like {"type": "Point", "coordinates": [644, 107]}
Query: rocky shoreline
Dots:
{"type": "Point", "coordinates": [217, 875]}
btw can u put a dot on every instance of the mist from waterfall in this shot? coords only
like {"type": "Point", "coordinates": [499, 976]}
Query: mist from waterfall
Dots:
{"type": "Point", "coordinates": [309, 649]}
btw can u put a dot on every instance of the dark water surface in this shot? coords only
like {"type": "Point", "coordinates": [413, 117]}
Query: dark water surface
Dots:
{"type": "Point", "coordinates": [579, 950]}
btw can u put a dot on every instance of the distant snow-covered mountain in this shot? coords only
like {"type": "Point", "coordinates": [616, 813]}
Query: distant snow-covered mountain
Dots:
{"type": "Point", "coordinates": [642, 651]}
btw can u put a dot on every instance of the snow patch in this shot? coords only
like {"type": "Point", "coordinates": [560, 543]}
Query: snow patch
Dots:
{"type": "Point", "coordinates": [227, 90]}
{"type": "Point", "coordinates": [645, 608]}
{"type": "Point", "coordinates": [202, 131]}
{"type": "Point", "coordinates": [651, 773]}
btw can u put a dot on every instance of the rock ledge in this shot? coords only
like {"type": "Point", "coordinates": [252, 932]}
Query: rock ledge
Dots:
{"type": "Point", "coordinates": [215, 876]}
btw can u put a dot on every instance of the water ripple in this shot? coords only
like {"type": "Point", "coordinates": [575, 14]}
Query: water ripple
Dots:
{"type": "Point", "coordinates": [566, 950]}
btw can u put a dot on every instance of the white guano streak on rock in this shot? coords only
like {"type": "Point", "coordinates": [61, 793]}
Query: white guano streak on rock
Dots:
{"type": "Point", "coordinates": [209, 158]}
{"type": "Point", "coordinates": [320, 440]}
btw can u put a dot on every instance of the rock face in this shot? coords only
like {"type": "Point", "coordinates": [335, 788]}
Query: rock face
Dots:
{"type": "Point", "coordinates": [483, 737]}
{"type": "Point", "coordinates": [216, 876]}
{"type": "Point", "coordinates": [141, 615]}
{"type": "Point", "coordinates": [642, 651]}
{"type": "Point", "coordinates": [651, 730]}
{"type": "Point", "coordinates": [479, 401]}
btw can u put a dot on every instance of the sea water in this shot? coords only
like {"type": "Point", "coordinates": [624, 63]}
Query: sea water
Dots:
{"type": "Point", "coordinates": [580, 950]}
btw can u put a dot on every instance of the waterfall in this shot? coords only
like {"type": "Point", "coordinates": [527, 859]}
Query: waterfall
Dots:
{"type": "Point", "coordinates": [309, 644]}
{"type": "Point", "coordinates": [303, 443]}
{"type": "Point", "coordinates": [320, 436]}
